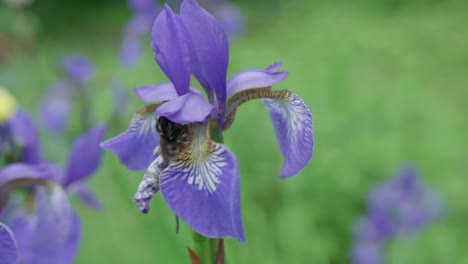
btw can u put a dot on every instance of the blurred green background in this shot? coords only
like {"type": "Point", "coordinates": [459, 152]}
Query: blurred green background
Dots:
{"type": "Point", "coordinates": [387, 83]}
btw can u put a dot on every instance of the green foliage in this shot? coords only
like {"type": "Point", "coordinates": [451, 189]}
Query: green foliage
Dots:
{"type": "Point", "coordinates": [385, 89]}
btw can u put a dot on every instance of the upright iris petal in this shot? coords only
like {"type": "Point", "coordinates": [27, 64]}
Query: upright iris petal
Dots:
{"type": "Point", "coordinates": [171, 52]}
{"type": "Point", "coordinates": [209, 50]}
{"type": "Point", "coordinates": [8, 249]}
{"type": "Point", "coordinates": [25, 133]}
{"type": "Point", "coordinates": [85, 156]}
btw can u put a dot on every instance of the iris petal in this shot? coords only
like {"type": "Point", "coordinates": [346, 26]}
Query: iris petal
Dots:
{"type": "Point", "coordinates": [253, 79]}
{"type": "Point", "coordinates": [85, 195]}
{"type": "Point", "coordinates": [24, 129]}
{"type": "Point", "coordinates": [292, 121]}
{"type": "Point", "coordinates": [156, 93]}
{"type": "Point", "coordinates": [8, 250]}
{"type": "Point", "coordinates": [188, 108]}
{"type": "Point", "coordinates": [85, 156]}
{"type": "Point", "coordinates": [210, 50]}
{"type": "Point", "coordinates": [169, 44]}
{"type": "Point", "coordinates": [201, 186]}
{"type": "Point", "coordinates": [52, 233]}
{"type": "Point", "coordinates": [134, 147]}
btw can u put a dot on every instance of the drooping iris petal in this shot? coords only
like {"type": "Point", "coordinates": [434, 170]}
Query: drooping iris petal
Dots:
{"type": "Point", "coordinates": [149, 185]}
{"type": "Point", "coordinates": [85, 195]}
{"type": "Point", "coordinates": [51, 234]}
{"type": "Point", "coordinates": [188, 108]}
{"type": "Point", "coordinates": [85, 156]}
{"type": "Point", "coordinates": [78, 68]}
{"type": "Point", "coordinates": [170, 46]}
{"type": "Point", "coordinates": [134, 147]}
{"type": "Point", "coordinates": [56, 106]}
{"type": "Point", "coordinates": [209, 50]}
{"type": "Point", "coordinates": [24, 130]}
{"type": "Point", "coordinates": [8, 250]}
{"type": "Point", "coordinates": [292, 121]}
{"type": "Point", "coordinates": [156, 93]}
{"type": "Point", "coordinates": [201, 186]}
{"type": "Point", "coordinates": [253, 79]}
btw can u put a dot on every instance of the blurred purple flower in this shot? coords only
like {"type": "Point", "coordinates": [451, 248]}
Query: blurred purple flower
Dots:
{"type": "Point", "coordinates": [78, 68]}
{"type": "Point", "coordinates": [45, 226]}
{"type": "Point", "coordinates": [145, 11]}
{"type": "Point", "coordinates": [400, 206]}
{"type": "Point", "coordinates": [229, 15]}
{"type": "Point", "coordinates": [199, 178]}
{"type": "Point", "coordinates": [57, 103]}
{"type": "Point", "coordinates": [121, 99]}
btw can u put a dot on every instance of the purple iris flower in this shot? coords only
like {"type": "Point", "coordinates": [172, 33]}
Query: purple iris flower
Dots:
{"type": "Point", "coordinates": [57, 103]}
{"type": "Point", "coordinates": [398, 207]}
{"type": "Point", "coordinates": [45, 227]}
{"type": "Point", "coordinates": [145, 11]}
{"type": "Point", "coordinates": [199, 178]}
{"type": "Point", "coordinates": [78, 68]}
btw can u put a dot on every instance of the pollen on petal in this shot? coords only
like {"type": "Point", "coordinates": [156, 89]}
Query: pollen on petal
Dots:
{"type": "Point", "coordinates": [149, 185]}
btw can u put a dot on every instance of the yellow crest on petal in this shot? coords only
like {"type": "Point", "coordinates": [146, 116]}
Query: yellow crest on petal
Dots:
{"type": "Point", "coordinates": [7, 105]}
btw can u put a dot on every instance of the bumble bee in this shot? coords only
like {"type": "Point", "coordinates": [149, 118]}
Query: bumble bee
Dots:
{"type": "Point", "coordinates": [173, 136]}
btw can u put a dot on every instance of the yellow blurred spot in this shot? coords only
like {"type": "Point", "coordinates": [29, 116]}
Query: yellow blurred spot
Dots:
{"type": "Point", "coordinates": [7, 105]}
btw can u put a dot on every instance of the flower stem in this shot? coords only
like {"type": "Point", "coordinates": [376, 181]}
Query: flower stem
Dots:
{"type": "Point", "coordinates": [210, 250]}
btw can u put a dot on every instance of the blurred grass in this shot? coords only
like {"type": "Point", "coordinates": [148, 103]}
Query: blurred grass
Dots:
{"type": "Point", "coordinates": [386, 88]}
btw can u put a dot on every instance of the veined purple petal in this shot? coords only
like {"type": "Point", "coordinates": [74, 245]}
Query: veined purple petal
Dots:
{"type": "Point", "coordinates": [78, 68]}
{"type": "Point", "coordinates": [169, 44]}
{"type": "Point", "coordinates": [8, 249]}
{"type": "Point", "coordinates": [201, 186]}
{"type": "Point", "coordinates": [209, 50]}
{"type": "Point", "coordinates": [52, 234]}
{"type": "Point", "coordinates": [253, 79]}
{"type": "Point", "coordinates": [85, 156]}
{"type": "Point", "coordinates": [85, 195]}
{"type": "Point", "coordinates": [188, 108]}
{"type": "Point", "coordinates": [24, 130]}
{"type": "Point", "coordinates": [156, 93]}
{"type": "Point", "coordinates": [292, 121]}
{"type": "Point", "coordinates": [134, 147]}
{"type": "Point", "coordinates": [56, 106]}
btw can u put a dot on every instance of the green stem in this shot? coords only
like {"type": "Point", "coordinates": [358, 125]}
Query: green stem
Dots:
{"type": "Point", "coordinates": [207, 249]}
